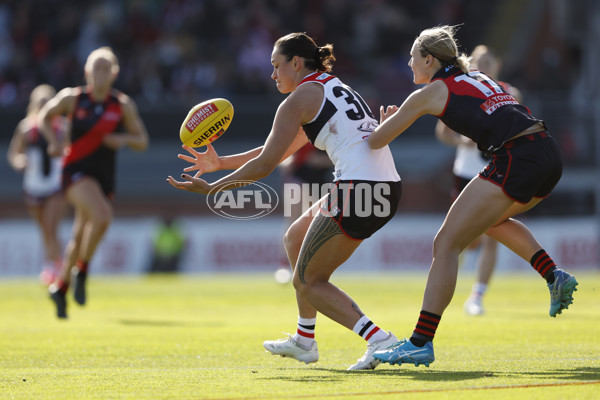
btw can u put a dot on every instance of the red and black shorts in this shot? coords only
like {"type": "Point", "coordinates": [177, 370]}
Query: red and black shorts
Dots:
{"type": "Point", "coordinates": [72, 174]}
{"type": "Point", "coordinates": [526, 167]}
{"type": "Point", "coordinates": [361, 208]}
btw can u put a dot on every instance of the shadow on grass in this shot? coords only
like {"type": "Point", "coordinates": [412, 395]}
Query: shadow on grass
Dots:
{"type": "Point", "coordinates": [147, 322]}
{"type": "Point", "coordinates": [326, 378]}
{"type": "Point", "coordinates": [428, 375]}
{"type": "Point", "coordinates": [337, 375]}
{"type": "Point", "coordinates": [575, 374]}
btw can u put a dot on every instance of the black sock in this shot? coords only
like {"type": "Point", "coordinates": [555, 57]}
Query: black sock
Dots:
{"type": "Point", "coordinates": [417, 341]}
{"type": "Point", "coordinates": [544, 265]}
{"type": "Point", "coordinates": [425, 329]}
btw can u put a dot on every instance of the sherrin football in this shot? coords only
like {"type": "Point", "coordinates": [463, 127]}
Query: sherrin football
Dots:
{"type": "Point", "coordinates": [206, 122]}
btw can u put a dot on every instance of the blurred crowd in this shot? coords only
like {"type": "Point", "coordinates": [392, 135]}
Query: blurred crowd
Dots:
{"type": "Point", "coordinates": [175, 50]}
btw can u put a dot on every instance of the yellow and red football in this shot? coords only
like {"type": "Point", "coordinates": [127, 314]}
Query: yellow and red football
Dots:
{"type": "Point", "coordinates": [206, 122]}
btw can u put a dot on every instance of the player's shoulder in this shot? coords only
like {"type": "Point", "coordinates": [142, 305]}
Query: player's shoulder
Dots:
{"type": "Point", "coordinates": [120, 96]}
{"type": "Point", "coordinates": [66, 98]}
{"type": "Point", "coordinates": [25, 124]}
{"type": "Point", "coordinates": [126, 101]}
{"type": "Point", "coordinates": [69, 92]}
{"type": "Point", "coordinates": [434, 89]}
{"type": "Point", "coordinates": [306, 94]}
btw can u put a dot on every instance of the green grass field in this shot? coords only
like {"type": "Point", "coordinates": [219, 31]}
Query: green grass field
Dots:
{"type": "Point", "coordinates": [200, 337]}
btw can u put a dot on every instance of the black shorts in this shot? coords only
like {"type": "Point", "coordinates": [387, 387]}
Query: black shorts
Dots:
{"type": "Point", "coordinates": [361, 208]}
{"type": "Point", "coordinates": [72, 175]}
{"type": "Point", "coordinates": [526, 167]}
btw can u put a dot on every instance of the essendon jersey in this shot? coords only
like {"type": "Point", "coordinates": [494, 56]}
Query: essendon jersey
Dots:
{"type": "Point", "coordinates": [342, 128]}
{"type": "Point", "coordinates": [481, 109]}
{"type": "Point", "coordinates": [91, 122]}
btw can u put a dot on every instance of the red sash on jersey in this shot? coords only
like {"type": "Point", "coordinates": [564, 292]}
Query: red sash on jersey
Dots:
{"type": "Point", "coordinates": [92, 140]}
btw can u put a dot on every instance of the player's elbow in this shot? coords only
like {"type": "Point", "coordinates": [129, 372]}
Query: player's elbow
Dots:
{"type": "Point", "coordinates": [140, 143]}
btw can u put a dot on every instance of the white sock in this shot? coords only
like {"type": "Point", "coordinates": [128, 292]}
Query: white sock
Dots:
{"type": "Point", "coordinates": [478, 289]}
{"type": "Point", "coordinates": [366, 329]}
{"type": "Point", "coordinates": [305, 334]}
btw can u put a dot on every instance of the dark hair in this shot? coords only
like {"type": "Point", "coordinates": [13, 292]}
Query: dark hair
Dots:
{"type": "Point", "coordinates": [301, 45]}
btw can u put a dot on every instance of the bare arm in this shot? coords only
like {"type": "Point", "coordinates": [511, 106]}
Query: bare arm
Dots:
{"type": "Point", "coordinates": [209, 160]}
{"type": "Point", "coordinates": [61, 104]}
{"type": "Point", "coordinates": [429, 100]}
{"type": "Point", "coordinates": [136, 135]}
{"type": "Point", "coordinates": [17, 158]}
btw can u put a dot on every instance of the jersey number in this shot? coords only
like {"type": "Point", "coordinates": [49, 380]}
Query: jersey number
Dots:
{"type": "Point", "coordinates": [471, 78]}
{"type": "Point", "coordinates": [360, 108]}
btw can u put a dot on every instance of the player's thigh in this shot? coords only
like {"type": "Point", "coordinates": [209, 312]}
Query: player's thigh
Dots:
{"type": "Point", "coordinates": [87, 196]}
{"type": "Point", "coordinates": [294, 236]}
{"type": "Point", "coordinates": [324, 249]}
{"type": "Point", "coordinates": [518, 208]}
{"type": "Point", "coordinates": [479, 206]}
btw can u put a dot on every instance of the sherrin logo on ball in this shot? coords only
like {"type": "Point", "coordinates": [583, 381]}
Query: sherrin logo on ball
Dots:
{"type": "Point", "coordinates": [206, 122]}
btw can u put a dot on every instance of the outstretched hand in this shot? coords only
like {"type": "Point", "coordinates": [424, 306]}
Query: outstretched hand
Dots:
{"type": "Point", "coordinates": [386, 113]}
{"type": "Point", "coordinates": [203, 162]}
{"type": "Point", "coordinates": [190, 184]}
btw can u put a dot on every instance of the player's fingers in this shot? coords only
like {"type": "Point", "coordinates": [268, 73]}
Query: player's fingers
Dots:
{"type": "Point", "coordinates": [186, 158]}
{"type": "Point", "coordinates": [190, 179]}
{"type": "Point", "coordinates": [190, 150]}
{"type": "Point", "coordinates": [173, 182]}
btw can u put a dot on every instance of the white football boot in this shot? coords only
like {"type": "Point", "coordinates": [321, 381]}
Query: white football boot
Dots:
{"type": "Point", "coordinates": [474, 306]}
{"type": "Point", "coordinates": [288, 347]}
{"type": "Point", "coordinates": [368, 361]}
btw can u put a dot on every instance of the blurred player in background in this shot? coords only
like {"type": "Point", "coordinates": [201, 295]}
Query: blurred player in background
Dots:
{"type": "Point", "coordinates": [526, 165]}
{"type": "Point", "coordinates": [103, 120]}
{"type": "Point", "coordinates": [309, 166]}
{"type": "Point", "coordinates": [468, 163]}
{"type": "Point", "coordinates": [28, 153]}
{"type": "Point", "coordinates": [332, 116]}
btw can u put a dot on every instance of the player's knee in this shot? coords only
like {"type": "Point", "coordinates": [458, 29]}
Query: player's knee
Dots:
{"type": "Point", "coordinates": [297, 283]}
{"type": "Point", "coordinates": [303, 287]}
{"type": "Point", "coordinates": [102, 216]}
{"type": "Point", "coordinates": [291, 241]}
{"type": "Point", "coordinates": [441, 244]}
